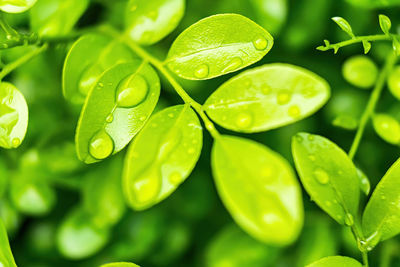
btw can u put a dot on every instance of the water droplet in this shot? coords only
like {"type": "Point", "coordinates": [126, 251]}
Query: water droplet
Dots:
{"type": "Point", "coordinates": [328, 203]}
{"type": "Point", "coordinates": [266, 89]}
{"type": "Point", "coordinates": [110, 118]}
{"type": "Point", "coordinates": [171, 115]}
{"type": "Point", "coordinates": [191, 150]}
{"type": "Point", "coordinates": [101, 145]}
{"type": "Point", "coordinates": [142, 118]}
{"type": "Point", "coordinates": [201, 71]}
{"type": "Point", "coordinates": [132, 91]}
{"type": "Point", "coordinates": [234, 64]}
{"type": "Point", "coordinates": [383, 197]}
{"type": "Point", "coordinates": [312, 157]}
{"type": "Point", "coordinates": [260, 43]}
{"type": "Point", "coordinates": [310, 137]}
{"type": "Point", "coordinates": [299, 138]}
{"type": "Point", "coordinates": [294, 111]}
{"type": "Point", "coordinates": [147, 187]}
{"type": "Point", "coordinates": [175, 178]}
{"type": "Point", "coordinates": [244, 120]}
{"type": "Point", "coordinates": [321, 176]}
{"type": "Point", "coordinates": [9, 36]}
{"type": "Point", "coordinates": [349, 220]}
{"type": "Point", "coordinates": [89, 78]}
{"type": "Point", "coordinates": [283, 97]}
{"type": "Point", "coordinates": [15, 142]}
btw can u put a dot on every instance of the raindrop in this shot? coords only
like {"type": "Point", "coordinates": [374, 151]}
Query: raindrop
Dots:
{"type": "Point", "coordinates": [294, 111]}
{"type": "Point", "coordinates": [283, 97]}
{"type": "Point", "coordinates": [132, 91]}
{"type": "Point", "coordinates": [110, 118]}
{"type": "Point", "coordinates": [201, 71]}
{"type": "Point", "coordinates": [349, 220]}
{"type": "Point", "coordinates": [234, 64]}
{"type": "Point", "coordinates": [15, 142]}
{"type": "Point", "coordinates": [260, 43]}
{"type": "Point", "coordinates": [321, 176]}
{"type": "Point", "coordinates": [244, 120]}
{"type": "Point", "coordinates": [175, 178]}
{"type": "Point", "coordinates": [101, 145]}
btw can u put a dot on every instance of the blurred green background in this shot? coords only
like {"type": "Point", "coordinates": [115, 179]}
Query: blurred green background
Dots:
{"type": "Point", "coordinates": [47, 186]}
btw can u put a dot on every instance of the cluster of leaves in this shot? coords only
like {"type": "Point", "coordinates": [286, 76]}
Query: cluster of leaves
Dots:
{"type": "Point", "coordinates": [112, 87]}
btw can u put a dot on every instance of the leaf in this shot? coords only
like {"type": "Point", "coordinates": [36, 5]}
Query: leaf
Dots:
{"type": "Point", "coordinates": [16, 6]}
{"type": "Point", "coordinates": [394, 82]}
{"type": "Point", "coordinates": [385, 24]}
{"type": "Point", "coordinates": [120, 264]}
{"type": "Point", "coordinates": [366, 46]}
{"type": "Point", "coordinates": [270, 14]}
{"type": "Point", "coordinates": [78, 237]}
{"type": "Point", "coordinates": [56, 17]}
{"type": "Point", "coordinates": [360, 71]}
{"type": "Point", "coordinates": [218, 45]}
{"type": "Point", "coordinates": [335, 261]}
{"type": "Point", "coordinates": [115, 110]}
{"type": "Point", "coordinates": [381, 218]}
{"type": "Point", "coordinates": [364, 182]}
{"type": "Point", "coordinates": [233, 247]}
{"type": "Point", "coordinates": [6, 257]}
{"type": "Point", "coordinates": [13, 116]}
{"type": "Point", "coordinates": [374, 4]}
{"type": "Point", "coordinates": [344, 25]}
{"type": "Point", "coordinates": [396, 46]}
{"type": "Point", "coordinates": [267, 97]}
{"type": "Point", "coordinates": [162, 156]}
{"type": "Point", "coordinates": [259, 189]}
{"type": "Point", "coordinates": [147, 22]}
{"type": "Point", "coordinates": [387, 127]}
{"type": "Point", "coordinates": [345, 121]}
{"type": "Point", "coordinates": [87, 59]}
{"type": "Point", "coordinates": [328, 175]}
{"type": "Point", "coordinates": [102, 193]}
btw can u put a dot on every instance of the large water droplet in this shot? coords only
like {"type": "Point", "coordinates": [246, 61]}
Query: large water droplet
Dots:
{"type": "Point", "coordinates": [244, 120]}
{"type": "Point", "coordinates": [321, 176]}
{"type": "Point", "coordinates": [101, 145]}
{"type": "Point", "coordinates": [132, 91]}
{"type": "Point", "coordinates": [89, 78]}
{"type": "Point", "coordinates": [283, 97]}
{"type": "Point", "coordinates": [349, 220]}
{"type": "Point", "coordinates": [147, 187]}
{"type": "Point", "coordinates": [260, 43]}
{"type": "Point", "coordinates": [15, 142]}
{"type": "Point", "coordinates": [201, 71]}
{"type": "Point", "coordinates": [294, 111]}
{"type": "Point", "coordinates": [234, 64]}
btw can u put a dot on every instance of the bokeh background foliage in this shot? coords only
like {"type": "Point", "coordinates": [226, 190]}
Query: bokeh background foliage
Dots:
{"type": "Point", "coordinates": [191, 227]}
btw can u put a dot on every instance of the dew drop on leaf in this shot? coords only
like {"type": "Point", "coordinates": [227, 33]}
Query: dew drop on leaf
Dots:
{"type": "Point", "coordinates": [132, 91]}
{"type": "Point", "coordinates": [283, 97]}
{"type": "Point", "coordinates": [110, 118]}
{"type": "Point", "coordinates": [101, 145]}
{"type": "Point", "coordinates": [260, 43]}
{"type": "Point", "coordinates": [244, 120]}
{"type": "Point", "coordinates": [349, 220]}
{"type": "Point", "coordinates": [201, 71]}
{"type": "Point", "coordinates": [294, 111]}
{"type": "Point", "coordinates": [175, 178]}
{"type": "Point", "coordinates": [321, 176]}
{"type": "Point", "coordinates": [16, 142]}
{"type": "Point", "coordinates": [234, 64]}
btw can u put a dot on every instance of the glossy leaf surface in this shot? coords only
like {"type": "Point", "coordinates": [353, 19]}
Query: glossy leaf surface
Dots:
{"type": "Point", "coordinates": [360, 71]}
{"type": "Point", "coordinates": [335, 261]}
{"type": "Point", "coordinates": [87, 59]}
{"type": "Point", "coordinates": [267, 97]}
{"type": "Point", "coordinates": [6, 257]}
{"type": "Point", "coordinates": [387, 127]}
{"type": "Point", "coordinates": [56, 17]}
{"type": "Point", "coordinates": [218, 45]}
{"type": "Point", "coordinates": [259, 189]}
{"type": "Point", "coordinates": [150, 21]}
{"type": "Point", "coordinates": [162, 156]}
{"type": "Point", "coordinates": [13, 116]}
{"type": "Point", "coordinates": [328, 175]}
{"type": "Point", "coordinates": [127, 94]}
{"type": "Point", "coordinates": [16, 6]}
{"type": "Point", "coordinates": [381, 219]}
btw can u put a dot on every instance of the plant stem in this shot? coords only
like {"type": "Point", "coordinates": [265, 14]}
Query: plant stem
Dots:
{"type": "Point", "coordinates": [376, 93]}
{"type": "Point", "coordinates": [365, 258]}
{"type": "Point", "coordinates": [22, 60]}
{"type": "Point", "coordinates": [177, 87]}
{"type": "Point", "coordinates": [358, 39]}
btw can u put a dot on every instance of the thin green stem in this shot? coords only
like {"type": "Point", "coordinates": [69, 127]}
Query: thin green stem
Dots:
{"type": "Point", "coordinates": [22, 60]}
{"type": "Point", "coordinates": [375, 95]}
{"type": "Point", "coordinates": [177, 87]}
{"type": "Point", "coordinates": [365, 258]}
{"type": "Point", "coordinates": [358, 39]}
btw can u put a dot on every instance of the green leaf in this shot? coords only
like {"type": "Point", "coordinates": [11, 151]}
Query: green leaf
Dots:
{"type": "Point", "coordinates": [6, 257]}
{"type": "Point", "coordinates": [394, 82]}
{"type": "Point", "coordinates": [56, 17]}
{"type": "Point", "coordinates": [267, 97]}
{"type": "Point", "coordinates": [374, 4]}
{"type": "Point", "coordinates": [147, 22]}
{"type": "Point", "coordinates": [366, 46]}
{"type": "Point", "coordinates": [381, 218]}
{"type": "Point", "coordinates": [78, 237]}
{"type": "Point", "coordinates": [360, 71]}
{"type": "Point", "coordinates": [385, 24]}
{"type": "Point", "coordinates": [345, 121]}
{"type": "Point", "coordinates": [387, 127]}
{"type": "Point", "coordinates": [335, 261]}
{"type": "Point", "coordinates": [13, 116]}
{"type": "Point", "coordinates": [16, 6]}
{"type": "Point", "coordinates": [259, 189]}
{"type": "Point", "coordinates": [115, 110]}
{"type": "Point", "coordinates": [102, 193]}
{"type": "Point", "coordinates": [87, 59]}
{"type": "Point", "coordinates": [232, 247]}
{"type": "Point", "coordinates": [396, 45]}
{"type": "Point", "coordinates": [162, 156]}
{"type": "Point", "coordinates": [364, 182]}
{"type": "Point", "coordinates": [270, 14]}
{"type": "Point", "coordinates": [218, 45]}
{"type": "Point", "coordinates": [120, 264]}
{"type": "Point", "coordinates": [344, 25]}
{"type": "Point", "coordinates": [328, 175]}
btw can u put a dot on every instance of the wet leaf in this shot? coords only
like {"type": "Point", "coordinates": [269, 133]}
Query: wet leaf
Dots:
{"type": "Point", "coordinates": [387, 127]}
{"type": "Point", "coordinates": [16, 6]}
{"type": "Point", "coordinates": [335, 261]}
{"type": "Point", "coordinates": [6, 257]}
